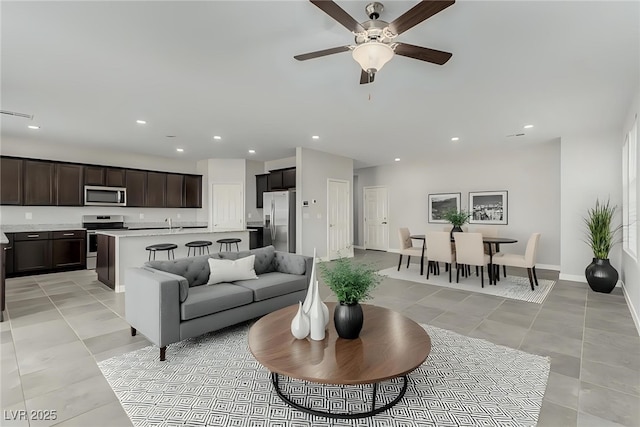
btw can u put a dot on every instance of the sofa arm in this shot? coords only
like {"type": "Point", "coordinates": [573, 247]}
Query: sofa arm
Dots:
{"type": "Point", "coordinates": [152, 304]}
{"type": "Point", "coordinates": [289, 263]}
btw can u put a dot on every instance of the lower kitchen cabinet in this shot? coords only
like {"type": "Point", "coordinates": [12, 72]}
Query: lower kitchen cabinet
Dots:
{"type": "Point", "coordinates": [69, 249]}
{"type": "Point", "coordinates": [3, 263]}
{"type": "Point", "coordinates": [47, 251]}
{"type": "Point", "coordinates": [106, 260]}
{"type": "Point", "coordinates": [32, 256]}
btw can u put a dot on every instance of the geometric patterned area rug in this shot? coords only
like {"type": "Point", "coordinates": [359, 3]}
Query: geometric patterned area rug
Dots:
{"type": "Point", "coordinates": [513, 287]}
{"type": "Point", "coordinates": [213, 380]}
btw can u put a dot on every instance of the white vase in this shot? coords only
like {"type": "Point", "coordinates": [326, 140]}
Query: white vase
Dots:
{"type": "Point", "coordinates": [316, 320]}
{"type": "Point", "coordinates": [306, 306]}
{"type": "Point", "coordinates": [325, 309]}
{"type": "Point", "coordinates": [300, 324]}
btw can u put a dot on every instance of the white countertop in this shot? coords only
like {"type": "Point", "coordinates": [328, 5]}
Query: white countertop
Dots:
{"type": "Point", "coordinates": [3, 239]}
{"type": "Point", "coordinates": [24, 228]}
{"type": "Point", "coordinates": [165, 232]}
{"type": "Point", "coordinates": [160, 225]}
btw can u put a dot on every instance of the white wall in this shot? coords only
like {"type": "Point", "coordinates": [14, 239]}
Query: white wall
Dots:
{"type": "Point", "coordinates": [530, 174]}
{"type": "Point", "coordinates": [253, 213]}
{"type": "Point", "coordinates": [630, 274]}
{"type": "Point", "coordinates": [591, 166]}
{"type": "Point", "coordinates": [313, 169]}
{"type": "Point", "coordinates": [287, 162]}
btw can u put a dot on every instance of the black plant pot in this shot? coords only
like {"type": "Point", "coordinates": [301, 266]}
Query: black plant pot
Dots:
{"type": "Point", "coordinates": [348, 320]}
{"type": "Point", "coordinates": [455, 229]}
{"type": "Point", "coordinates": [601, 276]}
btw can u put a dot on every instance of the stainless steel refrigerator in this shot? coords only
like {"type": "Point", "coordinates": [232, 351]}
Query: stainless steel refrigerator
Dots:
{"type": "Point", "coordinates": [279, 216]}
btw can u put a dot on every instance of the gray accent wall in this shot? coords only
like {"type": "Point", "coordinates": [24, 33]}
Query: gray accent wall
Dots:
{"type": "Point", "coordinates": [314, 168]}
{"type": "Point", "coordinates": [530, 173]}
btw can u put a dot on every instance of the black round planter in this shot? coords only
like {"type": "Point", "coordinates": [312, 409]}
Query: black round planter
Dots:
{"type": "Point", "coordinates": [601, 276]}
{"type": "Point", "coordinates": [455, 229]}
{"type": "Point", "coordinates": [348, 319]}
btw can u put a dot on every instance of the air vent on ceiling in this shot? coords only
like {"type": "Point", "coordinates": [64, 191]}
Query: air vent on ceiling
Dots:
{"type": "Point", "coordinates": [515, 134]}
{"type": "Point", "coordinates": [16, 114]}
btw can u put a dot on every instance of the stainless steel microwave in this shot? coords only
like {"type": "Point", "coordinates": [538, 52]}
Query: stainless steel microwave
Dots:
{"type": "Point", "coordinates": [105, 196]}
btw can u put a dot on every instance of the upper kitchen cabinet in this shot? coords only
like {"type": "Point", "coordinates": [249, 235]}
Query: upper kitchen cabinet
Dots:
{"type": "Point", "coordinates": [101, 175]}
{"type": "Point", "coordinates": [275, 180]}
{"type": "Point", "coordinates": [175, 190]}
{"type": "Point", "coordinates": [11, 181]}
{"type": "Point", "coordinates": [39, 183]}
{"type": "Point", "coordinates": [136, 184]}
{"type": "Point", "coordinates": [192, 191]}
{"type": "Point", "coordinates": [289, 178]}
{"type": "Point", "coordinates": [156, 190]}
{"type": "Point", "coordinates": [262, 185]}
{"type": "Point", "coordinates": [282, 179]}
{"type": "Point", "coordinates": [69, 184]}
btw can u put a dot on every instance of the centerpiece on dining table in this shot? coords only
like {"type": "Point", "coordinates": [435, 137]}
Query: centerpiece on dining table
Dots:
{"type": "Point", "coordinates": [457, 219]}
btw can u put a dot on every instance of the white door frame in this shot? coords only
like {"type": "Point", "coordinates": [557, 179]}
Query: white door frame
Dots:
{"type": "Point", "coordinates": [349, 217]}
{"type": "Point", "coordinates": [364, 213]}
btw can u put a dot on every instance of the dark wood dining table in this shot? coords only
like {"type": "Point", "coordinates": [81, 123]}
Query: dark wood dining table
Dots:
{"type": "Point", "coordinates": [487, 240]}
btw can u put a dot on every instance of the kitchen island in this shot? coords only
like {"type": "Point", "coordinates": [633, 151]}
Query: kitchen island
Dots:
{"type": "Point", "coordinates": [121, 249]}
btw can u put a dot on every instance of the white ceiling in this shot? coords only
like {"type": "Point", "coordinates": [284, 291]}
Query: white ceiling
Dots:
{"type": "Point", "coordinates": [88, 70]}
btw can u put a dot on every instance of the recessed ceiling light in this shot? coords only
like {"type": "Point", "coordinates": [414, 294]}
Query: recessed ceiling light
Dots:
{"type": "Point", "coordinates": [528, 126]}
{"type": "Point", "coordinates": [455, 138]}
{"type": "Point", "coordinates": [33, 127]}
{"type": "Point", "coordinates": [141, 122]}
{"type": "Point", "coordinates": [397, 159]}
{"type": "Point", "coordinates": [179, 150]}
{"type": "Point", "coordinates": [252, 151]}
{"type": "Point", "coordinates": [315, 137]}
{"type": "Point", "coordinates": [217, 137]}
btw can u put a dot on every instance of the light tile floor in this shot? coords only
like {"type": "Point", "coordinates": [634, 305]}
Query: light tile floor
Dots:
{"type": "Point", "coordinates": [58, 326]}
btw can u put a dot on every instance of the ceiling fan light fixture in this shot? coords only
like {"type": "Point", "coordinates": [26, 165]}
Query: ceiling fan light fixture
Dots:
{"type": "Point", "coordinates": [372, 55]}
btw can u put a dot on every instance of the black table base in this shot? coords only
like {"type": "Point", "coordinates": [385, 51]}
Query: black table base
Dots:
{"type": "Point", "coordinates": [345, 416]}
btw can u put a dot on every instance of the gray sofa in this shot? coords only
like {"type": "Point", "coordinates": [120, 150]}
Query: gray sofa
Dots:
{"type": "Point", "coordinates": [169, 301]}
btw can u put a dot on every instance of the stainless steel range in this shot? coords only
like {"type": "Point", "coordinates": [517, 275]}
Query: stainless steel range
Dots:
{"type": "Point", "coordinates": [99, 222]}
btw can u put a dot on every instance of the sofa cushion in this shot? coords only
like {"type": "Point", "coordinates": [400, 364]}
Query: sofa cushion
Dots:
{"type": "Point", "coordinates": [194, 269]}
{"type": "Point", "coordinates": [204, 300]}
{"type": "Point", "coordinates": [226, 270]}
{"type": "Point", "coordinates": [264, 258]}
{"type": "Point", "coordinates": [274, 284]}
{"type": "Point", "coordinates": [285, 262]}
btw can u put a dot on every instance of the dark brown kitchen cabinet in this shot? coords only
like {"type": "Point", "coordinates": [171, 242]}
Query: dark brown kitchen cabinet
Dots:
{"type": "Point", "coordinates": [106, 260]}
{"type": "Point", "coordinates": [38, 183]}
{"type": "Point", "coordinates": [192, 191]}
{"type": "Point", "coordinates": [8, 266]}
{"type": "Point", "coordinates": [289, 178]}
{"type": "Point", "coordinates": [11, 181]}
{"type": "Point", "coordinates": [69, 249]}
{"type": "Point", "coordinates": [156, 190]}
{"type": "Point", "coordinates": [69, 184]}
{"type": "Point", "coordinates": [32, 252]}
{"type": "Point", "coordinates": [262, 185]}
{"type": "Point", "coordinates": [175, 190]}
{"type": "Point", "coordinates": [3, 259]}
{"type": "Point", "coordinates": [275, 180]}
{"type": "Point", "coordinates": [94, 175]}
{"type": "Point", "coordinates": [136, 184]}
{"type": "Point", "coordinates": [115, 177]}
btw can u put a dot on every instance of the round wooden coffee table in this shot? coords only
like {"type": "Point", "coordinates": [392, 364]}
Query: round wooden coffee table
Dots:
{"type": "Point", "coordinates": [390, 346]}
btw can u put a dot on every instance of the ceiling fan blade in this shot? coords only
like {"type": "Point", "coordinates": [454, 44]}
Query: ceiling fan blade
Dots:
{"type": "Point", "coordinates": [338, 13]}
{"type": "Point", "coordinates": [366, 77]}
{"type": "Point", "coordinates": [423, 53]}
{"type": "Point", "coordinates": [423, 10]}
{"type": "Point", "coordinates": [320, 53]}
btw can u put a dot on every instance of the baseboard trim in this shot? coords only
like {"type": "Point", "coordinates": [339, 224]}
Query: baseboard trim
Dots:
{"type": "Point", "coordinates": [358, 247]}
{"type": "Point", "coordinates": [572, 277]}
{"type": "Point", "coordinates": [632, 309]}
{"type": "Point", "coordinates": [548, 267]}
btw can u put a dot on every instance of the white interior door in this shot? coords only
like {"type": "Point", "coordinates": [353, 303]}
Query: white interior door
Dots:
{"type": "Point", "coordinates": [339, 239]}
{"type": "Point", "coordinates": [376, 212]}
{"type": "Point", "coordinates": [227, 211]}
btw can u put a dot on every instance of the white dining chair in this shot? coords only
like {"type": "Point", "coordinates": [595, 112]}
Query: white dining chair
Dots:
{"type": "Point", "coordinates": [528, 260]}
{"type": "Point", "coordinates": [439, 250]}
{"type": "Point", "coordinates": [407, 248]}
{"type": "Point", "coordinates": [470, 251]}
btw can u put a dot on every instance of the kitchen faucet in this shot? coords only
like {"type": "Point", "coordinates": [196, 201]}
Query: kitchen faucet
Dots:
{"type": "Point", "coordinates": [169, 221]}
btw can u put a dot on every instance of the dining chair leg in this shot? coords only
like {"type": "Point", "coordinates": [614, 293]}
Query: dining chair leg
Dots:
{"type": "Point", "coordinates": [504, 270]}
{"type": "Point", "coordinates": [481, 275]}
{"type": "Point", "coordinates": [458, 273]}
{"type": "Point", "coordinates": [408, 260]}
{"type": "Point", "coordinates": [535, 276]}
{"type": "Point", "coordinates": [449, 268]}
{"type": "Point", "coordinates": [422, 265]}
{"type": "Point", "coordinates": [530, 278]}
{"type": "Point", "coordinates": [438, 268]}
{"type": "Point", "coordinates": [428, 268]}
{"type": "Point", "coordinates": [476, 271]}
{"type": "Point", "coordinates": [399, 262]}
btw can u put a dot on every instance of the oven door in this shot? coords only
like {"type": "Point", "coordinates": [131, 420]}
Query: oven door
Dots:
{"type": "Point", "coordinates": [92, 249]}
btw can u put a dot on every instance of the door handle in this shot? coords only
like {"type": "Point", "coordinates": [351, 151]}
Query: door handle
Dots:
{"type": "Point", "coordinates": [384, 222]}
{"type": "Point", "coordinates": [32, 236]}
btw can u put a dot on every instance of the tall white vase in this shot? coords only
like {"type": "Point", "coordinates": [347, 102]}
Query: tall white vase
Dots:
{"type": "Point", "coordinates": [306, 306]}
{"type": "Point", "coordinates": [316, 319]}
{"type": "Point", "coordinates": [300, 324]}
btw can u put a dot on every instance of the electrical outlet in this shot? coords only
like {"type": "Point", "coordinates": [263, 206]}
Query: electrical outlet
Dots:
{"type": "Point", "coordinates": [178, 216]}
{"type": "Point", "coordinates": [141, 216]}
{"type": "Point", "coordinates": [249, 215]}
{"type": "Point", "coordinates": [28, 215]}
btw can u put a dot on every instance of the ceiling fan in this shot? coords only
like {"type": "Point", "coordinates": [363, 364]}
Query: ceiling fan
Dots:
{"type": "Point", "coordinates": [374, 39]}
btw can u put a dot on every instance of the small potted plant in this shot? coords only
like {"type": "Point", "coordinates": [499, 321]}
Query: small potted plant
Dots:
{"type": "Point", "coordinates": [457, 219]}
{"type": "Point", "coordinates": [601, 236]}
{"type": "Point", "coordinates": [351, 283]}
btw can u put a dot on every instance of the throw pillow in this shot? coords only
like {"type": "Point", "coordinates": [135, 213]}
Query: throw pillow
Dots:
{"type": "Point", "coordinates": [225, 270]}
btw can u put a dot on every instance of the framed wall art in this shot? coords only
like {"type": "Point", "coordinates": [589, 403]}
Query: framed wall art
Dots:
{"type": "Point", "coordinates": [441, 203]}
{"type": "Point", "coordinates": [488, 207]}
